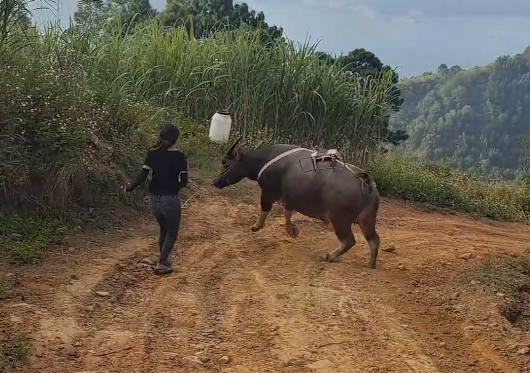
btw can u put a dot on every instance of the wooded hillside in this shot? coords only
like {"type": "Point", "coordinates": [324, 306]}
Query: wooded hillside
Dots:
{"type": "Point", "coordinates": [476, 119]}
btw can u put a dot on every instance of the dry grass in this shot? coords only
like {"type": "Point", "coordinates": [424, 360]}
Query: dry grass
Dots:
{"type": "Point", "coordinates": [14, 350]}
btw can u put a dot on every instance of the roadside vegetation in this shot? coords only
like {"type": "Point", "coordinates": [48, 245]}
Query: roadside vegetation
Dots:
{"type": "Point", "coordinates": [79, 108]}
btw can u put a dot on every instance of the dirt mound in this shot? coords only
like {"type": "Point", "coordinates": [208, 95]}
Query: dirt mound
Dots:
{"type": "Point", "coordinates": [264, 302]}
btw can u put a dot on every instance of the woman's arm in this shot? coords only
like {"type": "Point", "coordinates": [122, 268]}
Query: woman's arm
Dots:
{"type": "Point", "coordinates": [183, 174]}
{"type": "Point", "coordinates": [140, 178]}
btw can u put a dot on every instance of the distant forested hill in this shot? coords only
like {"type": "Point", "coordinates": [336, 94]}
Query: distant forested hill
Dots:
{"type": "Point", "coordinates": [476, 119]}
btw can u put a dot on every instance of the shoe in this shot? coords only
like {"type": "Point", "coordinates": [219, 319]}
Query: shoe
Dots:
{"type": "Point", "coordinates": [162, 270]}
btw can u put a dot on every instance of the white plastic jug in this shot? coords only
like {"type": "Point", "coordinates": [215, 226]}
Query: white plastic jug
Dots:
{"type": "Point", "coordinates": [220, 126]}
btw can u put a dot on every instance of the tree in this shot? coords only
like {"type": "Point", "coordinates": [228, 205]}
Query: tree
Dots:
{"type": "Point", "coordinates": [442, 69]}
{"type": "Point", "coordinates": [523, 143]}
{"type": "Point", "coordinates": [361, 61]}
{"type": "Point", "coordinates": [89, 15]}
{"type": "Point", "coordinates": [204, 17]}
{"type": "Point", "coordinates": [325, 57]}
{"type": "Point", "coordinates": [366, 64]}
{"type": "Point", "coordinates": [129, 13]}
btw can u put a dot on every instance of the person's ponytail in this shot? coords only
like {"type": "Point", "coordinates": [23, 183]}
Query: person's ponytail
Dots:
{"type": "Point", "coordinates": [162, 144]}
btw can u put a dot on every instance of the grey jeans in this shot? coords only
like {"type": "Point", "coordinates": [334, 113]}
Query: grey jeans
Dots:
{"type": "Point", "coordinates": [167, 211]}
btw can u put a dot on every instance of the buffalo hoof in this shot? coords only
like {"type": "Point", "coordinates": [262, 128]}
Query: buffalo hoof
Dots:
{"type": "Point", "coordinates": [371, 265]}
{"type": "Point", "coordinates": [255, 228]}
{"type": "Point", "coordinates": [330, 258]}
{"type": "Point", "coordinates": [293, 231]}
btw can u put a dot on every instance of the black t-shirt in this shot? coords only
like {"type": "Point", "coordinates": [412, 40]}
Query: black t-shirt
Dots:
{"type": "Point", "coordinates": [170, 171]}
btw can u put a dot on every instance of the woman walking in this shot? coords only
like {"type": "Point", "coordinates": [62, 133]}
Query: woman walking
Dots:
{"type": "Point", "coordinates": [170, 174]}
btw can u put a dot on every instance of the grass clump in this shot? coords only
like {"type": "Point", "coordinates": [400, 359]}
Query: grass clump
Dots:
{"type": "Point", "coordinates": [25, 238]}
{"type": "Point", "coordinates": [14, 351]}
{"type": "Point", "coordinates": [512, 278]}
{"type": "Point", "coordinates": [439, 186]}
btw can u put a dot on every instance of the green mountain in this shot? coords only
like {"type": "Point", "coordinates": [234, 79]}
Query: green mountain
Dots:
{"type": "Point", "coordinates": [476, 119]}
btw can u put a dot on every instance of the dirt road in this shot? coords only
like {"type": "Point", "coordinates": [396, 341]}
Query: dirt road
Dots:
{"type": "Point", "coordinates": [264, 302]}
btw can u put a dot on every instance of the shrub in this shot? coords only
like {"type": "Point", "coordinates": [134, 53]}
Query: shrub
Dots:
{"type": "Point", "coordinates": [54, 137]}
{"type": "Point", "coordinates": [438, 185]}
{"type": "Point", "coordinates": [64, 149]}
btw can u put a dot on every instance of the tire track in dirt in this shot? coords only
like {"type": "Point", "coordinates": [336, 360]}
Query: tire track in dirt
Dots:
{"type": "Point", "coordinates": [155, 315]}
{"type": "Point", "coordinates": [329, 320]}
{"type": "Point", "coordinates": [266, 302]}
{"type": "Point", "coordinates": [53, 319]}
{"type": "Point", "coordinates": [272, 313]}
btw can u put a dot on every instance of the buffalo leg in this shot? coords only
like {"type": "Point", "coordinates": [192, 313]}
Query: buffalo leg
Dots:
{"type": "Point", "coordinates": [367, 226]}
{"type": "Point", "coordinates": [266, 206]}
{"type": "Point", "coordinates": [292, 230]}
{"type": "Point", "coordinates": [345, 235]}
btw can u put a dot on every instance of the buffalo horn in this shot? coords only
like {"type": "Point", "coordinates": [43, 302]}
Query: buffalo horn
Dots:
{"type": "Point", "coordinates": [233, 147]}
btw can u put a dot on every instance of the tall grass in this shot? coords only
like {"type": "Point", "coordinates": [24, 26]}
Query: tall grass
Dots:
{"type": "Point", "coordinates": [69, 87]}
{"type": "Point", "coordinates": [283, 91]}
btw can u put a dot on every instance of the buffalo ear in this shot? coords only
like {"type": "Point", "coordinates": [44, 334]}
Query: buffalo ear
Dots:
{"type": "Point", "coordinates": [230, 151]}
{"type": "Point", "coordinates": [240, 154]}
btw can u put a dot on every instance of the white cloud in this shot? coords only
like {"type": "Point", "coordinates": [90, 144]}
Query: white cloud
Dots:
{"type": "Point", "coordinates": [365, 11]}
{"type": "Point", "coordinates": [451, 8]}
{"type": "Point", "coordinates": [413, 16]}
{"type": "Point", "coordinates": [369, 13]}
{"type": "Point", "coordinates": [337, 4]}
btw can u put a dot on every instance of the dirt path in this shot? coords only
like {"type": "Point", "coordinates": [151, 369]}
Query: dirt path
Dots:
{"type": "Point", "coordinates": [263, 302]}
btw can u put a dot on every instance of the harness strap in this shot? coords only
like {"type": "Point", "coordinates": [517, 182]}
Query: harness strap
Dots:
{"type": "Point", "coordinates": [285, 154]}
{"type": "Point", "coordinates": [278, 157]}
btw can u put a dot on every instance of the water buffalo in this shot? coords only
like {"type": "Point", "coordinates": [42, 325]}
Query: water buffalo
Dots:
{"type": "Point", "coordinates": [305, 181]}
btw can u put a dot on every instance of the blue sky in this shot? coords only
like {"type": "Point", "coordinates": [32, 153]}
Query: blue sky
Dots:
{"type": "Point", "coordinates": [412, 35]}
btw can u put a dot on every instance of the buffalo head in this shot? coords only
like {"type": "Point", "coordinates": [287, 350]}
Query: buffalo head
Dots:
{"type": "Point", "coordinates": [237, 163]}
